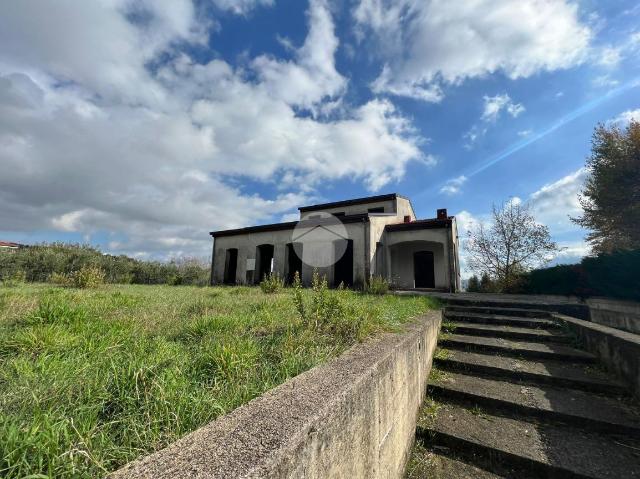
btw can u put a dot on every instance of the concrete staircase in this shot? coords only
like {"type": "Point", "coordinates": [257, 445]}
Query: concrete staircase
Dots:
{"type": "Point", "coordinates": [511, 396]}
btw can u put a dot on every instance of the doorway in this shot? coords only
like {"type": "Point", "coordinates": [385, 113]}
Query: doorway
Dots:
{"type": "Point", "coordinates": [294, 262]}
{"type": "Point", "coordinates": [230, 266]}
{"type": "Point", "coordinates": [423, 269]}
{"type": "Point", "coordinates": [343, 268]}
{"type": "Point", "coordinates": [264, 255]}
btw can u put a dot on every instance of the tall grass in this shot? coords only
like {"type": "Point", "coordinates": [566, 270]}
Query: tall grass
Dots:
{"type": "Point", "coordinates": [91, 379]}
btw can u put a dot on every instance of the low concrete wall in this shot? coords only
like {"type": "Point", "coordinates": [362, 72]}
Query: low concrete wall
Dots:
{"type": "Point", "coordinates": [615, 313]}
{"type": "Point", "coordinates": [353, 417]}
{"type": "Point", "coordinates": [618, 350]}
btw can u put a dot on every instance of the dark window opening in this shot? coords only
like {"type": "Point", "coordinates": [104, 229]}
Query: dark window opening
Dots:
{"type": "Point", "coordinates": [230, 266]}
{"type": "Point", "coordinates": [423, 269]}
{"type": "Point", "coordinates": [379, 209]}
{"type": "Point", "coordinates": [343, 269]}
{"type": "Point", "coordinates": [294, 262]}
{"type": "Point", "coordinates": [264, 261]}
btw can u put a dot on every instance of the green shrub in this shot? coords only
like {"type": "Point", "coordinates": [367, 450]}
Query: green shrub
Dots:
{"type": "Point", "coordinates": [610, 275]}
{"type": "Point", "coordinates": [271, 283]}
{"type": "Point", "coordinates": [18, 278]}
{"type": "Point", "coordinates": [85, 277]}
{"type": "Point", "coordinates": [40, 262]}
{"type": "Point", "coordinates": [377, 285]}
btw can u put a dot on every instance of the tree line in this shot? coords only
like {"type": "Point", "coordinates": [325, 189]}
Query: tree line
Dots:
{"type": "Point", "coordinates": [39, 263]}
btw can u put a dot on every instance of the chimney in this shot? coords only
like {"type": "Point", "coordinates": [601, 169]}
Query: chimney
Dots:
{"type": "Point", "coordinates": [407, 219]}
{"type": "Point", "coordinates": [442, 214]}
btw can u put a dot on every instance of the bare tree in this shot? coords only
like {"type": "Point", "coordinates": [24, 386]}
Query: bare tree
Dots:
{"type": "Point", "coordinates": [512, 244]}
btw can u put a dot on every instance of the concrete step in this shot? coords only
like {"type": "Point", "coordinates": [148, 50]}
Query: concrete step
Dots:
{"type": "Point", "coordinates": [442, 463]}
{"type": "Point", "coordinates": [513, 348]}
{"type": "Point", "coordinates": [575, 309]}
{"type": "Point", "coordinates": [482, 318]}
{"type": "Point", "coordinates": [548, 403]}
{"type": "Point", "coordinates": [511, 332]}
{"type": "Point", "coordinates": [548, 450]}
{"type": "Point", "coordinates": [520, 312]}
{"type": "Point", "coordinates": [537, 372]}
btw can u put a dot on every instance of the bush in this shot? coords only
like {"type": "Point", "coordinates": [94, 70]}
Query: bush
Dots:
{"type": "Point", "coordinates": [19, 277]}
{"type": "Point", "coordinates": [85, 277]}
{"type": "Point", "coordinates": [40, 263]}
{"type": "Point", "coordinates": [377, 285]}
{"type": "Point", "coordinates": [611, 275]}
{"type": "Point", "coordinates": [271, 283]}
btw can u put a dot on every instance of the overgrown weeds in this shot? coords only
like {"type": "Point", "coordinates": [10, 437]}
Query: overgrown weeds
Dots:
{"type": "Point", "coordinates": [86, 277]}
{"type": "Point", "coordinates": [93, 378]}
{"type": "Point", "coordinates": [271, 283]}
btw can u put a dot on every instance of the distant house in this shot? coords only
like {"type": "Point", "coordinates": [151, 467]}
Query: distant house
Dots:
{"type": "Point", "coordinates": [347, 241]}
{"type": "Point", "coordinates": [9, 246]}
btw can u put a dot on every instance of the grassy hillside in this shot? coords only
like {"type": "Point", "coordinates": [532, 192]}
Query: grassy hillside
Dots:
{"type": "Point", "coordinates": [91, 379]}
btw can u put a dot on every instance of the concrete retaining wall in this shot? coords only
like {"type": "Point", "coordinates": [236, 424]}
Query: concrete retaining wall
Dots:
{"type": "Point", "coordinates": [624, 315]}
{"type": "Point", "coordinates": [618, 350]}
{"type": "Point", "coordinates": [353, 417]}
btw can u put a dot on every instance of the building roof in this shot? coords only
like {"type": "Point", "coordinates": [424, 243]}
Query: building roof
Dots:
{"type": "Point", "coordinates": [289, 225]}
{"type": "Point", "coordinates": [9, 244]}
{"type": "Point", "coordinates": [431, 223]}
{"type": "Point", "coordinates": [354, 201]}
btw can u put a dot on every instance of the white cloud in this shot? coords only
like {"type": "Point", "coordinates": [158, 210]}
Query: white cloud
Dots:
{"type": "Point", "coordinates": [492, 110]}
{"type": "Point", "coordinates": [454, 185]}
{"type": "Point", "coordinates": [556, 202]}
{"type": "Point", "coordinates": [94, 140]}
{"type": "Point", "coordinates": [525, 133]}
{"type": "Point", "coordinates": [494, 105]}
{"type": "Point", "coordinates": [241, 7]}
{"type": "Point", "coordinates": [429, 44]}
{"type": "Point", "coordinates": [625, 117]}
{"type": "Point", "coordinates": [313, 75]}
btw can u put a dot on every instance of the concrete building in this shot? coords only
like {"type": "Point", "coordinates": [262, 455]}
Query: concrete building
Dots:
{"type": "Point", "coordinates": [349, 242]}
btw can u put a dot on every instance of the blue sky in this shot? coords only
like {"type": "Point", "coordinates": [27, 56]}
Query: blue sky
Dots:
{"type": "Point", "coordinates": [141, 125]}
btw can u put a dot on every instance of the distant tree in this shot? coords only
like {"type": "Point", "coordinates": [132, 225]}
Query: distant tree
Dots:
{"type": "Point", "coordinates": [486, 285]}
{"type": "Point", "coordinates": [512, 244]}
{"type": "Point", "coordinates": [473, 286]}
{"type": "Point", "coordinates": [611, 197]}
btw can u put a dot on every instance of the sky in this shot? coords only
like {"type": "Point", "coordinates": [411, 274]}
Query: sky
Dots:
{"type": "Point", "coordinates": [141, 125]}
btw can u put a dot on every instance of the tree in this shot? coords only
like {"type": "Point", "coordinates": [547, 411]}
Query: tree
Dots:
{"type": "Point", "coordinates": [611, 197]}
{"type": "Point", "coordinates": [513, 244]}
{"type": "Point", "coordinates": [473, 286]}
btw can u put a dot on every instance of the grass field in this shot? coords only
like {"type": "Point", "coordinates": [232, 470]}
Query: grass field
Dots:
{"type": "Point", "coordinates": [91, 379]}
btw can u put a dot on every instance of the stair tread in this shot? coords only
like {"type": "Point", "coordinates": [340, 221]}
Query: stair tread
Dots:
{"type": "Point", "coordinates": [540, 367]}
{"type": "Point", "coordinates": [512, 329]}
{"type": "Point", "coordinates": [504, 311]}
{"type": "Point", "coordinates": [497, 317]}
{"type": "Point", "coordinates": [430, 464]}
{"type": "Point", "coordinates": [515, 345]}
{"type": "Point", "coordinates": [562, 447]}
{"type": "Point", "coordinates": [547, 398]}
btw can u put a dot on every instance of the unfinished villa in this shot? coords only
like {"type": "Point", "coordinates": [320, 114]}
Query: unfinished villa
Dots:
{"type": "Point", "coordinates": [348, 242]}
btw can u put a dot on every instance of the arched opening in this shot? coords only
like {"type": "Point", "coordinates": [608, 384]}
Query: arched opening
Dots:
{"type": "Point", "coordinates": [230, 266]}
{"type": "Point", "coordinates": [264, 261]}
{"type": "Point", "coordinates": [343, 267]}
{"type": "Point", "coordinates": [418, 264]}
{"type": "Point", "coordinates": [294, 262]}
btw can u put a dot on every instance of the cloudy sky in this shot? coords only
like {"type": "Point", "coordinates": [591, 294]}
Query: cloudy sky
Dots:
{"type": "Point", "coordinates": [141, 125]}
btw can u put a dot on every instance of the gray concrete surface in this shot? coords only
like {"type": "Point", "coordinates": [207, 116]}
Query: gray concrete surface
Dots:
{"type": "Point", "coordinates": [618, 350]}
{"type": "Point", "coordinates": [353, 417]}
{"type": "Point", "coordinates": [624, 315]}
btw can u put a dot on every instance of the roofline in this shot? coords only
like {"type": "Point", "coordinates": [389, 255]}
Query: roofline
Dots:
{"type": "Point", "coordinates": [283, 226]}
{"type": "Point", "coordinates": [433, 223]}
{"type": "Point", "coordinates": [354, 201]}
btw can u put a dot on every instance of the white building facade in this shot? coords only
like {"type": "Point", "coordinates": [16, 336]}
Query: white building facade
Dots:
{"type": "Point", "coordinates": [348, 242]}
